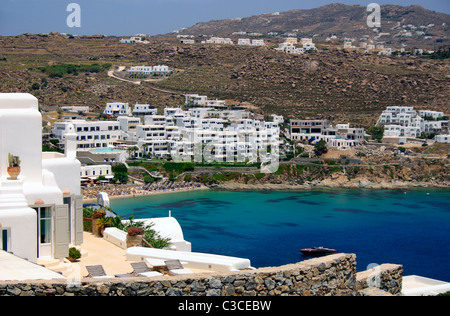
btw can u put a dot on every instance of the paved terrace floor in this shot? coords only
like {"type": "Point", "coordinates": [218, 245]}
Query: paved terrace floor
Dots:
{"type": "Point", "coordinates": [98, 251]}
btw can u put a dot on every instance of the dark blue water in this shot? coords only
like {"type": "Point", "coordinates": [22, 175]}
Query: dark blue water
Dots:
{"type": "Point", "coordinates": [411, 228]}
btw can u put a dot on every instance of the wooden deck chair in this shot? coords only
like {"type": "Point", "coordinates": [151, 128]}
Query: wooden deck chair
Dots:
{"type": "Point", "coordinates": [96, 271]}
{"type": "Point", "coordinates": [142, 269]}
{"type": "Point", "coordinates": [176, 268]}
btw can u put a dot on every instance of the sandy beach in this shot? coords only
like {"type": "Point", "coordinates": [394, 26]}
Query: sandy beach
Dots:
{"type": "Point", "coordinates": [123, 191]}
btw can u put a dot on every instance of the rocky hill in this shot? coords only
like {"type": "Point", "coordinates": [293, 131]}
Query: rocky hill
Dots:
{"type": "Point", "coordinates": [344, 85]}
{"type": "Point", "coordinates": [344, 21]}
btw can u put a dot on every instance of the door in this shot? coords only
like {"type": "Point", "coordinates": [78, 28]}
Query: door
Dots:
{"type": "Point", "coordinates": [44, 228]}
{"type": "Point", "coordinates": [61, 230]}
{"type": "Point", "coordinates": [78, 220]}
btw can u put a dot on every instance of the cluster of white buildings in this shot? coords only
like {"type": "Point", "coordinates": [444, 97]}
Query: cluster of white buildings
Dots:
{"type": "Point", "coordinates": [290, 45]}
{"type": "Point", "coordinates": [229, 41]}
{"type": "Point", "coordinates": [341, 137]}
{"type": "Point", "coordinates": [124, 109]}
{"type": "Point", "coordinates": [178, 133]}
{"type": "Point", "coordinates": [404, 121]}
{"type": "Point", "coordinates": [218, 40]}
{"type": "Point", "coordinates": [253, 42]}
{"type": "Point", "coordinates": [41, 206]}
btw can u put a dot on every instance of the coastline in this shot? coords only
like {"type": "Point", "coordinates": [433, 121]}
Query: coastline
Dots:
{"type": "Point", "coordinates": [142, 193]}
{"type": "Point", "coordinates": [326, 185]}
{"type": "Point", "coordinates": [236, 186]}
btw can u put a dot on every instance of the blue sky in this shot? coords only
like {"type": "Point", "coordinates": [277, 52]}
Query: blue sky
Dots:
{"type": "Point", "coordinates": [128, 17]}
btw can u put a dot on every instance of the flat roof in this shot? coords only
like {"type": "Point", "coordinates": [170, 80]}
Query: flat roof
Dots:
{"type": "Point", "coordinates": [13, 268]}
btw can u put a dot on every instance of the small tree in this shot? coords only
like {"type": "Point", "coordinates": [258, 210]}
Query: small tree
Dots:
{"type": "Point", "coordinates": [132, 151]}
{"type": "Point", "coordinates": [377, 132]}
{"type": "Point", "coordinates": [320, 148]}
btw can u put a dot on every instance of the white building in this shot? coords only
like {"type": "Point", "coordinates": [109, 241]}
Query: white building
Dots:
{"type": "Point", "coordinates": [433, 114]}
{"type": "Point", "coordinates": [405, 121]}
{"type": "Point", "coordinates": [187, 41]}
{"type": "Point", "coordinates": [149, 70]}
{"type": "Point", "coordinates": [195, 100]}
{"type": "Point", "coordinates": [278, 118]}
{"type": "Point", "coordinates": [258, 42]}
{"type": "Point", "coordinates": [75, 109]}
{"type": "Point", "coordinates": [307, 44]}
{"type": "Point", "coordinates": [127, 126]}
{"type": "Point", "coordinates": [117, 108]}
{"type": "Point", "coordinates": [95, 171]}
{"type": "Point", "coordinates": [306, 40]}
{"type": "Point", "coordinates": [244, 41]}
{"type": "Point", "coordinates": [291, 40]}
{"type": "Point", "coordinates": [290, 48]}
{"type": "Point", "coordinates": [41, 213]}
{"type": "Point", "coordinates": [393, 130]}
{"type": "Point", "coordinates": [219, 40]}
{"type": "Point", "coordinates": [173, 112]}
{"type": "Point", "coordinates": [442, 139]}
{"type": "Point", "coordinates": [144, 109]}
{"type": "Point", "coordinates": [341, 137]}
{"type": "Point", "coordinates": [133, 40]}
{"type": "Point", "coordinates": [89, 134]}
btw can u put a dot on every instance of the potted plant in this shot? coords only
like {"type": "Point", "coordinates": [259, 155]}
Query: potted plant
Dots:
{"type": "Point", "coordinates": [95, 217]}
{"type": "Point", "coordinates": [13, 167]}
{"type": "Point", "coordinates": [135, 236]}
{"type": "Point", "coordinates": [74, 254]}
{"type": "Point", "coordinates": [102, 223]}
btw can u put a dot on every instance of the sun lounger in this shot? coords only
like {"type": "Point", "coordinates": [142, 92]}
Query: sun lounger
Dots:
{"type": "Point", "coordinates": [141, 269]}
{"type": "Point", "coordinates": [176, 268]}
{"type": "Point", "coordinates": [96, 271]}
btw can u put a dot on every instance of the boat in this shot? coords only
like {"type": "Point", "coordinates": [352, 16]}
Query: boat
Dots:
{"type": "Point", "coordinates": [318, 251]}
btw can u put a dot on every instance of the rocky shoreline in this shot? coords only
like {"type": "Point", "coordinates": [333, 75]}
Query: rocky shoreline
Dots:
{"type": "Point", "coordinates": [295, 177]}
{"type": "Point", "coordinates": [326, 184]}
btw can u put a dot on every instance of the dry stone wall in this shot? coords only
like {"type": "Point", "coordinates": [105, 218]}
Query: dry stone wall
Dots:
{"type": "Point", "coordinates": [333, 275]}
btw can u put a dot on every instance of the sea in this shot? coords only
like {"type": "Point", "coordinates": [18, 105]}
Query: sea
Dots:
{"type": "Point", "coordinates": [407, 227]}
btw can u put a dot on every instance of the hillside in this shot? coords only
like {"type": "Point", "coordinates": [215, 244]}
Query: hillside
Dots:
{"type": "Point", "coordinates": [344, 21]}
{"type": "Point", "coordinates": [346, 86]}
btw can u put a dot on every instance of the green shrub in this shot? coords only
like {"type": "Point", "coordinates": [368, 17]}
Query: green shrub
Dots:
{"type": "Point", "coordinates": [150, 235]}
{"type": "Point", "coordinates": [119, 168]}
{"type": "Point", "coordinates": [60, 71]}
{"type": "Point", "coordinates": [178, 167]}
{"type": "Point", "coordinates": [74, 253]}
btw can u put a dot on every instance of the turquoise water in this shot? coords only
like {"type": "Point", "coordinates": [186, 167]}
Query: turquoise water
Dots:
{"type": "Point", "coordinates": [409, 228]}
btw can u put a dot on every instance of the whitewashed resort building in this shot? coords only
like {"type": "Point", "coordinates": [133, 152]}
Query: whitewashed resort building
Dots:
{"type": "Point", "coordinates": [41, 212]}
{"type": "Point", "coordinates": [404, 121]}
{"type": "Point", "coordinates": [340, 137]}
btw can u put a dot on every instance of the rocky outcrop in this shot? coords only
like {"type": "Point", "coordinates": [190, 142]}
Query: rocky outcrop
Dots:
{"type": "Point", "coordinates": [294, 177]}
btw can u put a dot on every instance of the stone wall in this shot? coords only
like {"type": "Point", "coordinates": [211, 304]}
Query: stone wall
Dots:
{"type": "Point", "coordinates": [333, 275]}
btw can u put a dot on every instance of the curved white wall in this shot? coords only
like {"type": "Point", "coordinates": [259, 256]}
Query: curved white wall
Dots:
{"type": "Point", "coordinates": [21, 134]}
